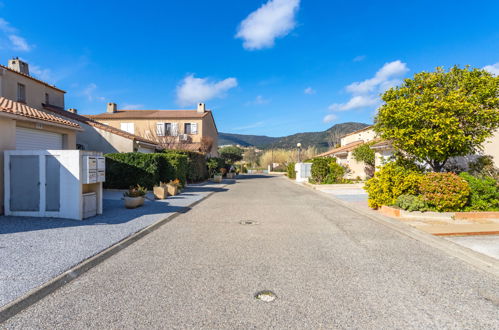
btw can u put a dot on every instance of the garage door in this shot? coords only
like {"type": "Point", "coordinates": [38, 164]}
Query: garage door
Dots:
{"type": "Point", "coordinates": [33, 139]}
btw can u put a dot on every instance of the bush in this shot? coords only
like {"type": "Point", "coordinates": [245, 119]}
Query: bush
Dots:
{"type": "Point", "coordinates": [320, 169]}
{"type": "Point", "coordinates": [290, 170]}
{"type": "Point", "coordinates": [411, 203]}
{"type": "Point", "coordinates": [391, 181]}
{"type": "Point", "coordinates": [336, 172]}
{"type": "Point", "coordinates": [215, 165]}
{"type": "Point", "coordinates": [445, 191]}
{"type": "Point", "coordinates": [484, 194]}
{"type": "Point", "coordinates": [124, 170]}
{"type": "Point", "coordinates": [197, 169]}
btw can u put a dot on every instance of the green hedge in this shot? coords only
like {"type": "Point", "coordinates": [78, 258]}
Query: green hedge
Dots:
{"type": "Point", "coordinates": [290, 170]}
{"type": "Point", "coordinates": [196, 164]}
{"type": "Point", "coordinates": [129, 169]}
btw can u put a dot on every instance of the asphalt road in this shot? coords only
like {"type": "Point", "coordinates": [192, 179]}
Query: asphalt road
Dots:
{"type": "Point", "coordinates": [329, 267]}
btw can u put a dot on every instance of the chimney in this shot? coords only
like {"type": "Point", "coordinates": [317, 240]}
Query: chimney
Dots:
{"type": "Point", "coordinates": [73, 110]}
{"type": "Point", "coordinates": [111, 107]}
{"type": "Point", "coordinates": [201, 107]}
{"type": "Point", "coordinates": [20, 66]}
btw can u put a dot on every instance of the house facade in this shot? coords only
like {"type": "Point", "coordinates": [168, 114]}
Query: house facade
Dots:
{"type": "Point", "coordinates": [344, 153]}
{"type": "Point", "coordinates": [96, 136]}
{"type": "Point", "coordinates": [172, 129]}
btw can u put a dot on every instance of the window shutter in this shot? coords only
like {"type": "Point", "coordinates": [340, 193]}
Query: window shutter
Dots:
{"type": "Point", "coordinates": [194, 128]}
{"type": "Point", "coordinates": [174, 129]}
{"type": "Point", "coordinates": [160, 129]}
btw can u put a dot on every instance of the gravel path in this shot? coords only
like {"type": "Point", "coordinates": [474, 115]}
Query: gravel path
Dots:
{"type": "Point", "coordinates": [329, 267]}
{"type": "Point", "coordinates": [34, 250]}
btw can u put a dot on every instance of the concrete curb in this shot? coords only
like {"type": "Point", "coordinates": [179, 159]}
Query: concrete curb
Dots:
{"type": "Point", "coordinates": [480, 261]}
{"type": "Point", "coordinates": [35, 295]}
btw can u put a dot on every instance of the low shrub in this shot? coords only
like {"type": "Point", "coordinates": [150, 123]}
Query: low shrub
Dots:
{"type": "Point", "coordinates": [336, 173]}
{"type": "Point", "coordinates": [215, 165]}
{"type": "Point", "coordinates": [290, 170]}
{"type": "Point", "coordinates": [411, 203]}
{"type": "Point", "coordinates": [444, 191]}
{"type": "Point", "coordinates": [124, 170]}
{"type": "Point", "coordinates": [484, 195]}
{"type": "Point", "coordinates": [325, 170]}
{"type": "Point", "coordinates": [391, 181]}
{"type": "Point", "coordinates": [197, 169]}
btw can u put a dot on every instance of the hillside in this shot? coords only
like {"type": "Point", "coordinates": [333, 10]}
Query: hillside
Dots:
{"type": "Point", "coordinates": [320, 140]}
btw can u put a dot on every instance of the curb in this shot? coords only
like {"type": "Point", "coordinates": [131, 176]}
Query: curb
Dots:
{"type": "Point", "coordinates": [480, 261]}
{"type": "Point", "coordinates": [36, 294]}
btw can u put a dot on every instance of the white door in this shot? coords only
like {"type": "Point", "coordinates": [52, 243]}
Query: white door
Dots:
{"type": "Point", "coordinates": [34, 139]}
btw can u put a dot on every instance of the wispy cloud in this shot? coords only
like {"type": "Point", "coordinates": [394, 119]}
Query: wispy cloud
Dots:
{"type": "Point", "coordinates": [12, 37]}
{"type": "Point", "coordinates": [249, 126]}
{"type": "Point", "coordinates": [192, 90]}
{"type": "Point", "coordinates": [359, 58]}
{"type": "Point", "coordinates": [90, 92]}
{"type": "Point", "coordinates": [309, 91]}
{"type": "Point", "coordinates": [366, 93]}
{"type": "Point", "coordinates": [330, 118]}
{"type": "Point", "coordinates": [127, 106]}
{"type": "Point", "coordinates": [41, 73]}
{"type": "Point", "coordinates": [494, 68]}
{"type": "Point", "coordinates": [274, 19]}
{"type": "Point", "coordinates": [259, 100]}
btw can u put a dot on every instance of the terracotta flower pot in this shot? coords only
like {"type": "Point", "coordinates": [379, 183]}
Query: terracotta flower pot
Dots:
{"type": "Point", "coordinates": [160, 192]}
{"type": "Point", "coordinates": [172, 190]}
{"type": "Point", "coordinates": [133, 202]}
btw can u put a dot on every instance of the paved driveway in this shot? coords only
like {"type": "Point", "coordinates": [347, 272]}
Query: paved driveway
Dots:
{"type": "Point", "coordinates": [329, 266]}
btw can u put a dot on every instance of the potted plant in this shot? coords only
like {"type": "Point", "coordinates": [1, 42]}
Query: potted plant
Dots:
{"type": "Point", "coordinates": [217, 177]}
{"type": "Point", "coordinates": [161, 191]}
{"type": "Point", "coordinates": [134, 197]}
{"type": "Point", "coordinates": [173, 187]}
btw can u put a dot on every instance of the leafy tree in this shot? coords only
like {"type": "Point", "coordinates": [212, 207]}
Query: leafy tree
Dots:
{"type": "Point", "coordinates": [441, 114]}
{"type": "Point", "coordinates": [364, 153]}
{"type": "Point", "coordinates": [250, 156]}
{"type": "Point", "coordinates": [231, 154]}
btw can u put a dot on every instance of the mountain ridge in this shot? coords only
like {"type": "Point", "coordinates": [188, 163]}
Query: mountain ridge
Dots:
{"type": "Point", "coordinates": [322, 140]}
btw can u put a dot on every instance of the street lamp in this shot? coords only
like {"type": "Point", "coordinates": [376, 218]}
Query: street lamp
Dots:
{"type": "Point", "coordinates": [298, 145]}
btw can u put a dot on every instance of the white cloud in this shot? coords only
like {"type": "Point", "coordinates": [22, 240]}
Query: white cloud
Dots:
{"type": "Point", "coordinates": [41, 73]}
{"type": "Point", "coordinates": [193, 90]}
{"type": "Point", "coordinates": [356, 102]}
{"type": "Point", "coordinates": [19, 43]}
{"type": "Point", "coordinates": [15, 41]}
{"type": "Point", "coordinates": [132, 106]}
{"type": "Point", "coordinates": [259, 100]}
{"type": "Point", "coordinates": [384, 78]}
{"type": "Point", "coordinates": [309, 91]}
{"type": "Point", "coordinates": [330, 118]}
{"type": "Point", "coordinates": [359, 58]}
{"type": "Point", "coordinates": [274, 19]}
{"type": "Point", "coordinates": [494, 68]}
{"type": "Point", "coordinates": [90, 93]}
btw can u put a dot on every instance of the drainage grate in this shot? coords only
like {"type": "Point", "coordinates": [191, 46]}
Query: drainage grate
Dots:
{"type": "Point", "coordinates": [248, 222]}
{"type": "Point", "coordinates": [266, 296]}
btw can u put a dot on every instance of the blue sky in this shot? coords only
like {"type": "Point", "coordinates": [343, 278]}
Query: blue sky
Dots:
{"type": "Point", "coordinates": [265, 67]}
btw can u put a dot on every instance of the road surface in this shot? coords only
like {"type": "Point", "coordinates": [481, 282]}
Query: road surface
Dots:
{"type": "Point", "coordinates": [329, 267]}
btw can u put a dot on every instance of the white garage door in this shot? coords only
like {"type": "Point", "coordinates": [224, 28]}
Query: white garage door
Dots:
{"type": "Point", "coordinates": [33, 139]}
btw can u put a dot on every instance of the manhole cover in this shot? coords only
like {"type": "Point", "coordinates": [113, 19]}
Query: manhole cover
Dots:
{"type": "Point", "coordinates": [248, 222]}
{"type": "Point", "coordinates": [266, 296]}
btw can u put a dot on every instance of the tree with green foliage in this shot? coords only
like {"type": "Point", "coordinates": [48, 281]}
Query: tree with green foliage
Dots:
{"type": "Point", "coordinates": [365, 154]}
{"type": "Point", "coordinates": [438, 115]}
{"type": "Point", "coordinates": [231, 154]}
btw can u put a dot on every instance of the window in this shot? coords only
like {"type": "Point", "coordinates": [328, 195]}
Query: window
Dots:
{"type": "Point", "coordinates": [187, 128]}
{"type": "Point", "coordinates": [168, 129]}
{"type": "Point", "coordinates": [128, 127]}
{"type": "Point", "coordinates": [21, 93]}
{"type": "Point", "coordinates": [47, 99]}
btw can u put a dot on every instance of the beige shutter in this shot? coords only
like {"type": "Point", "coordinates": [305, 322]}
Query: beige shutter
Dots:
{"type": "Point", "coordinates": [160, 129]}
{"type": "Point", "coordinates": [194, 128]}
{"type": "Point", "coordinates": [174, 129]}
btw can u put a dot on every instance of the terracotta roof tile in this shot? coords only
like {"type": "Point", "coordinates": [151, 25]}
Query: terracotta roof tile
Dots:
{"type": "Point", "coordinates": [22, 110]}
{"type": "Point", "coordinates": [345, 148]}
{"type": "Point", "coordinates": [150, 114]}
{"type": "Point", "coordinates": [96, 124]}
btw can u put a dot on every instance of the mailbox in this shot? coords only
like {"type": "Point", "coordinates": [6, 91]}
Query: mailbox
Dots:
{"type": "Point", "coordinates": [101, 163]}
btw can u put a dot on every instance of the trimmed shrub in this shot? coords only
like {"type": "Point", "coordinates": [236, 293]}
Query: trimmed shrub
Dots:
{"type": "Point", "coordinates": [124, 170]}
{"type": "Point", "coordinates": [320, 169]}
{"type": "Point", "coordinates": [411, 203]}
{"type": "Point", "coordinates": [336, 172]}
{"type": "Point", "coordinates": [197, 169]}
{"type": "Point", "coordinates": [484, 194]}
{"type": "Point", "coordinates": [391, 181]}
{"type": "Point", "coordinates": [445, 191]}
{"type": "Point", "coordinates": [290, 170]}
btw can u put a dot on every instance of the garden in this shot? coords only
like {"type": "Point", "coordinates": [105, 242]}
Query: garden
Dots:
{"type": "Point", "coordinates": [434, 120]}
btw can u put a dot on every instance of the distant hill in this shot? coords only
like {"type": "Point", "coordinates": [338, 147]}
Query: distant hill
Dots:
{"type": "Point", "coordinates": [321, 140]}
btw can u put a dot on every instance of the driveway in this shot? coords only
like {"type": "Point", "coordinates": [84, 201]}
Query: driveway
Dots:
{"type": "Point", "coordinates": [329, 267]}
